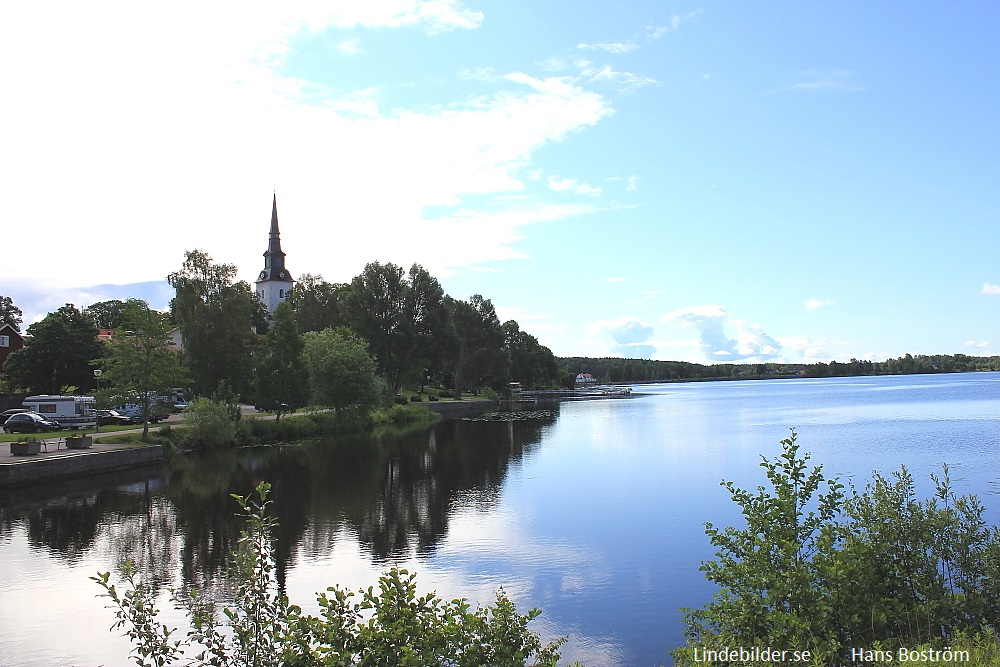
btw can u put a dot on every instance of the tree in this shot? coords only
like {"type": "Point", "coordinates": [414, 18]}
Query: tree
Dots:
{"type": "Point", "coordinates": [282, 377]}
{"type": "Point", "coordinates": [398, 317]}
{"type": "Point", "coordinates": [531, 363]}
{"type": "Point", "coordinates": [342, 372]}
{"type": "Point", "coordinates": [217, 321]}
{"type": "Point", "coordinates": [9, 313]}
{"type": "Point", "coordinates": [138, 365]}
{"type": "Point", "coordinates": [317, 303]}
{"type": "Point", "coordinates": [57, 353]}
{"type": "Point", "coordinates": [476, 344]}
{"type": "Point", "coordinates": [106, 314]}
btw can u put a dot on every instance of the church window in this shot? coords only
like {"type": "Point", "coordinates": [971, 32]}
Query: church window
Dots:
{"type": "Point", "coordinates": [281, 294]}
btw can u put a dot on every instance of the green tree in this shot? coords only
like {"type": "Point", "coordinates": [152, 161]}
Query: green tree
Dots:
{"type": "Point", "coordinates": [341, 371]}
{"type": "Point", "coordinates": [106, 314]}
{"type": "Point", "coordinates": [138, 366]}
{"type": "Point", "coordinates": [398, 316]}
{"type": "Point", "coordinates": [531, 363]}
{"type": "Point", "coordinates": [282, 377]}
{"type": "Point", "coordinates": [218, 319]}
{"type": "Point", "coordinates": [57, 353]}
{"type": "Point", "coordinates": [9, 313]}
{"type": "Point", "coordinates": [476, 353]}
{"type": "Point", "coordinates": [317, 303]}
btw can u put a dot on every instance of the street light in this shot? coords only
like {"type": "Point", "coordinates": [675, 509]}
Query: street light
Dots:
{"type": "Point", "coordinates": [97, 419]}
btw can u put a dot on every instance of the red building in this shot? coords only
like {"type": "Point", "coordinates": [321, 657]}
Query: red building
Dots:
{"type": "Point", "coordinates": [10, 340]}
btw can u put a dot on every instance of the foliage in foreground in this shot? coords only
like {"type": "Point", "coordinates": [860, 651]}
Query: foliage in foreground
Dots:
{"type": "Point", "coordinates": [390, 626]}
{"type": "Point", "coordinates": [819, 569]}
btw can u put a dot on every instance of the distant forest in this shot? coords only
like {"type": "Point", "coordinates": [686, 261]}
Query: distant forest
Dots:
{"type": "Point", "coordinates": [614, 370]}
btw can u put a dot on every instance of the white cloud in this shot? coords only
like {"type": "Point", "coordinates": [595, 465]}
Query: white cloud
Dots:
{"type": "Point", "coordinates": [186, 144]}
{"type": "Point", "coordinates": [349, 47]}
{"type": "Point", "coordinates": [633, 184]}
{"type": "Point", "coordinates": [750, 341]}
{"type": "Point", "coordinates": [624, 336]}
{"type": "Point", "coordinates": [976, 344]}
{"type": "Point", "coordinates": [615, 47]}
{"type": "Point", "coordinates": [654, 32]}
{"type": "Point", "coordinates": [622, 81]}
{"type": "Point", "coordinates": [816, 304]}
{"type": "Point", "coordinates": [572, 185]}
{"type": "Point", "coordinates": [432, 15]}
{"type": "Point", "coordinates": [826, 80]}
{"type": "Point", "coordinates": [991, 289]}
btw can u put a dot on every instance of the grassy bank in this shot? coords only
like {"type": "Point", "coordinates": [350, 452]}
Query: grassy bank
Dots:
{"type": "Point", "coordinates": [215, 430]}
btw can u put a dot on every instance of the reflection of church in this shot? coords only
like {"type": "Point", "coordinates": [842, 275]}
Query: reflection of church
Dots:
{"type": "Point", "coordinates": [275, 280]}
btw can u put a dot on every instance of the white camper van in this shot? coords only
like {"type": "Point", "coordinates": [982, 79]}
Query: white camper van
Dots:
{"type": "Point", "coordinates": [69, 411]}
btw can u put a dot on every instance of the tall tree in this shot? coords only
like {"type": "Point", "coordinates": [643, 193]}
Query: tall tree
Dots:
{"type": "Point", "coordinates": [317, 303]}
{"type": "Point", "coordinates": [342, 372]}
{"type": "Point", "coordinates": [138, 365]}
{"type": "Point", "coordinates": [106, 314]}
{"type": "Point", "coordinates": [216, 317]}
{"type": "Point", "coordinates": [531, 363]}
{"type": "Point", "coordinates": [282, 377]}
{"type": "Point", "coordinates": [57, 353]}
{"type": "Point", "coordinates": [9, 313]}
{"type": "Point", "coordinates": [477, 354]}
{"type": "Point", "coordinates": [398, 316]}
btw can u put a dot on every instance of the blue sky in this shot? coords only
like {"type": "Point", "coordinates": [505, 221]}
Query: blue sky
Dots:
{"type": "Point", "coordinates": [779, 181]}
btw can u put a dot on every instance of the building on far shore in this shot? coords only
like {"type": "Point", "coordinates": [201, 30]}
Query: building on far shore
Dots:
{"type": "Point", "coordinates": [585, 380]}
{"type": "Point", "coordinates": [275, 281]}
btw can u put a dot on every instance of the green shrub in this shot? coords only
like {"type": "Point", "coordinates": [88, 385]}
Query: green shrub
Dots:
{"type": "Point", "coordinates": [209, 425]}
{"type": "Point", "coordinates": [393, 626]}
{"type": "Point", "coordinates": [827, 571]}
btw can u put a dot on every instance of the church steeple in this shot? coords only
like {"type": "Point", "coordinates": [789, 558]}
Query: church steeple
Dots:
{"type": "Point", "coordinates": [274, 259]}
{"type": "Point", "coordinates": [275, 280]}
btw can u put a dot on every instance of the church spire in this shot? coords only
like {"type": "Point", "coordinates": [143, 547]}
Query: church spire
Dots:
{"type": "Point", "coordinates": [274, 258]}
{"type": "Point", "coordinates": [275, 280]}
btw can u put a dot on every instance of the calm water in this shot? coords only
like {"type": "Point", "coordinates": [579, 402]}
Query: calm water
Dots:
{"type": "Point", "coordinates": [594, 514]}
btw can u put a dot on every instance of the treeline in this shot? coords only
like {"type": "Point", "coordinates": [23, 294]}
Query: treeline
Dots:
{"type": "Point", "coordinates": [332, 344]}
{"type": "Point", "coordinates": [614, 370]}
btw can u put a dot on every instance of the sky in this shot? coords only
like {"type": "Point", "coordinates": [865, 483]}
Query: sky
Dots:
{"type": "Point", "coordinates": [699, 181]}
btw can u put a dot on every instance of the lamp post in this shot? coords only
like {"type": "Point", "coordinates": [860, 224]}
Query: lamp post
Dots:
{"type": "Point", "coordinates": [97, 419]}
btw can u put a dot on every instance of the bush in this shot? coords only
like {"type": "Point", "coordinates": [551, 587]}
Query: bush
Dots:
{"type": "Point", "coordinates": [392, 626]}
{"type": "Point", "coordinates": [827, 571]}
{"type": "Point", "coordinates": [209, 425]}
{"type": "Point", "coordinates": [416, 398]}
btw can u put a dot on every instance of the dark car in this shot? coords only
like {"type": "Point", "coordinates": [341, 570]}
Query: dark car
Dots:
{"type": "Point", "coordinates": [114, 418]}
{"type": "Point", "coordinates": [29, 422]}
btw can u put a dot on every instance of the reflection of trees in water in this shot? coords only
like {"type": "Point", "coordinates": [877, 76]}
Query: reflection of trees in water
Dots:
{"type": "Point", "coordinates": [121, 522]}
{"type": "Point", "coordinates": [426, 477]}
{"type": "Point", "coordinates": [395, 490]}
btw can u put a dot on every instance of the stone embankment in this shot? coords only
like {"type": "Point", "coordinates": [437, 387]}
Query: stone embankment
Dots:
{"type": "Point", "coordinates": [58, 463]}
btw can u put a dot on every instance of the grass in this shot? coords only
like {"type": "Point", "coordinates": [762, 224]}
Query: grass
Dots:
{"type": "Point", "coordinates": [65, 433]}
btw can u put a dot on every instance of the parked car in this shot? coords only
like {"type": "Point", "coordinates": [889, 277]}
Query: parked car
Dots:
{"type": "Point", "coordinates": [6, 414]}
{"type": "Point", "coordinates": [29, 422]}
{"type": "Point", "coordinates": [114, 418]}
{"type": "Point", "coordinates": [158, 411]}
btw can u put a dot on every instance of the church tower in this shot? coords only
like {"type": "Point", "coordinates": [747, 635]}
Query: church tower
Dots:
{"type": "Point", "coordinates": [275, 280]}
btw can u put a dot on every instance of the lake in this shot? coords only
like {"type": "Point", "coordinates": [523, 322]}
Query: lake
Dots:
{"type": "Point", "coordinates": [593, 511]}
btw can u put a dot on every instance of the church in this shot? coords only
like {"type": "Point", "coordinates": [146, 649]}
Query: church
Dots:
{"type": "Point", "coordinates": [275, 281]}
